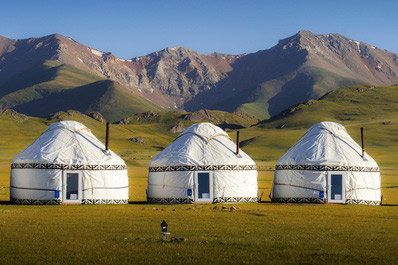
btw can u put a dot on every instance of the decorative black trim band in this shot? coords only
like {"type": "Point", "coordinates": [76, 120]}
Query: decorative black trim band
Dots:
{"type": "Point", "coordinates": [327, 168]}
{"type": "Point", "coordinates": [21, 188]}
{"type": "Point", "coordinates": [190, 201]}
{"type": "Point", "coordinates": [234, 199]}
{"type": "Point", "coordinates": [363, 202]}
{"type": "Point", "coordinates": [322, 200]}
{"type": "Point", "coordinates": [58, 201]}
{"type": "Point", "coordinates": [35, 202]}
{"type": "Point", "coordinates": [298, 200]}
{"type": "Point", "coordinates": [102, 201]}
{"type": "Point", "coordinates": [202, 168]}
{"type": "Point", "coordinates": [66, 167]}
{"type": "Point", "coordinates": [170, 200]}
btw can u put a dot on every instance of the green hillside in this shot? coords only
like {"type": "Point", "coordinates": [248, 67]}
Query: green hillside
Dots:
{"type": "Point", "coordinates": [43, 80]}
{"type": "Point", "coordinates": [272, 97]}
{"type": "Point", "coordinates": [355, 104]}
{"type": "Point", "coordinates": [107, 97]}
{"type": "Point", "coordinates": [52, 87]}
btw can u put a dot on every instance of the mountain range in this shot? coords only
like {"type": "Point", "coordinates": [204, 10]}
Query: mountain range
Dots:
{"type": "Point", "coordinates": [39, 76]}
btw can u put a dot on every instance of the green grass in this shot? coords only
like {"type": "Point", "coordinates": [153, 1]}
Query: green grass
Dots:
{"type": "Point", "coordinates": [256, 233]}
{"type": "Point", "coordinates": [253, 234]}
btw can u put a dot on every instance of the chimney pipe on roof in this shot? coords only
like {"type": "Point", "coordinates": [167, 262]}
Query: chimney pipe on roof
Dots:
{"type": "Point", "coordinates": [362, 142]}
{"type": "Point", "coordinates": [107, 137]}
{"type": "Point", "coordinates": [237, 142]}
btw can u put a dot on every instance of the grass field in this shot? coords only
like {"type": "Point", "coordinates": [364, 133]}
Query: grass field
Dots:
{"type": "Point", "coordinates": [255, 233]}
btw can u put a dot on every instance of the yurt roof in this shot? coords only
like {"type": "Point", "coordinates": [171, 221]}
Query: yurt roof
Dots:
{"type": "Point", "coordinates": [326, 143]}
{"type": "Point", "coordinates": [68, 143]}
{"type": "Point", "coordinates": [206, 131]}
{"type": "Point", "coordinates": [201, 144]}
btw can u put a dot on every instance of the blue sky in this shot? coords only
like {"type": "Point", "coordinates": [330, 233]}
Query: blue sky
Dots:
{"type": "Point", "coordinates": [135, 28]}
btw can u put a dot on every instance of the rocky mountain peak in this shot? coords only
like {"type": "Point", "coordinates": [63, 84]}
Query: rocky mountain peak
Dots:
{"type": "Point", "coordinates": [55, 36]}
{"type": "Point", "coordinates": [174, 52]}
{"type": "Point", "coordinates": [306, 39]}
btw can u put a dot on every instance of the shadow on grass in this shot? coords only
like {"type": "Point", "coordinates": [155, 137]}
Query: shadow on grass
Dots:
{"type": "Point", "coordinates": [255, 214]}
{"type": "Point", "coordinates": [138, 202]}
{"type": "Point", "coordinates": [230, 126]}
{"type": "Point", "coordinates": [158, 148]}
{"type": "Point", "coordinates": [5, 202]}
{"type": "Point", "coordinates": [389, 205]}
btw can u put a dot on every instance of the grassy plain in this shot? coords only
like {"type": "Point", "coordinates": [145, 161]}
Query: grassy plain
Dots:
{"type": "Point", "coordinates": [256, 233]}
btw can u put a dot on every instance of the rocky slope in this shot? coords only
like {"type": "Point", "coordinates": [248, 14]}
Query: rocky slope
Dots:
{"type": "Point", "coordinates": [168, 77]}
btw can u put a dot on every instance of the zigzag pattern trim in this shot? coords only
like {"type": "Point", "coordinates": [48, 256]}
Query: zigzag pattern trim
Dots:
{"type": "Point", "coordinates": [327, 168]}
{"type": "Point", "coordinates": [170, 200]}
{"type": "Point", "coordinates": [66, 167]}
{"type": "Point", "coordinates": [201, 168]}
{"type": "Point", "coordinates": [190, 201]}
{"type": "Point", "coordinates": [235, 199]}
{"type": "Point", "coordinates": [103, 201]}
{"type": "Point", "coordinates": [34, 202]}
{"type": "Point", "coordinates": [57, 202]}
{"type": "Point", "coordinates": [362, 202]}
{"type": "Point", "coordinates": [299, 200]}
{"type": "Point", "coordinates": [322, 200]}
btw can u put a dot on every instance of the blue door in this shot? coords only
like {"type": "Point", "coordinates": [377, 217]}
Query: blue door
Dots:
{"type": "Point", "coordinates": [72, 187]}
{"type": "Point", "coordinates": [336, 188]}
{"type": "Point", "coordinates": [204, 187]}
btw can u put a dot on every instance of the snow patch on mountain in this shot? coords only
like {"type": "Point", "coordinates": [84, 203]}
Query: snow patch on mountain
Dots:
{"type": "Point", "coordinates": [97, 52]}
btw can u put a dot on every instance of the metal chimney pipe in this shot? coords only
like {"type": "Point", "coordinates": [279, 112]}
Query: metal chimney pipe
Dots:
{"type": "Point", "coordinates": [362, 142]}
{"type": "Point", "coordinates": [237, 142]}
{"type": "Point", "coordinates": [107, 137]}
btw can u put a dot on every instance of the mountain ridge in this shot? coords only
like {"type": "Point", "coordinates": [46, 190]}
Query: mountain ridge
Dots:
{"type": "Point", "coordinates": [301, 67]}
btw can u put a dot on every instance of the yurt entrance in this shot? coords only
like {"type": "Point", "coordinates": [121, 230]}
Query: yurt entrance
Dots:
{"type": "Point", "coordinates": [72, 188]}
{"type": "Point", "coordinates": [204, 186]}
{"type": "Point", "coordinates": [336, 187]}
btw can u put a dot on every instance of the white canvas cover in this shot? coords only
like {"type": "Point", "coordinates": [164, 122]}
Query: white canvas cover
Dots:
{"type": "Point", "coordinates": [202, 147]}
{"type": "Point", "coordinates": [302, 173]}
{"type": "Point", "coordinates": [68, 146]}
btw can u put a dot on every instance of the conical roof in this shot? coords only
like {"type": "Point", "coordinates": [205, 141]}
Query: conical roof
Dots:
{"type": "Point", "coordinates": [68, 143]}
{"type": "Point", "coordinates": [326, 143]}
{"type": "Point", "coordinates": [201, 144]}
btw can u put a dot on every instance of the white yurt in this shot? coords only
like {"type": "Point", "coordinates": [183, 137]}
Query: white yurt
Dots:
{"type": "Point", "coordinates": [327, 166]}
{"type": "Point", "coordinates": [202, 165]}
{"type": "Point", "coordinates": [67, 164]}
